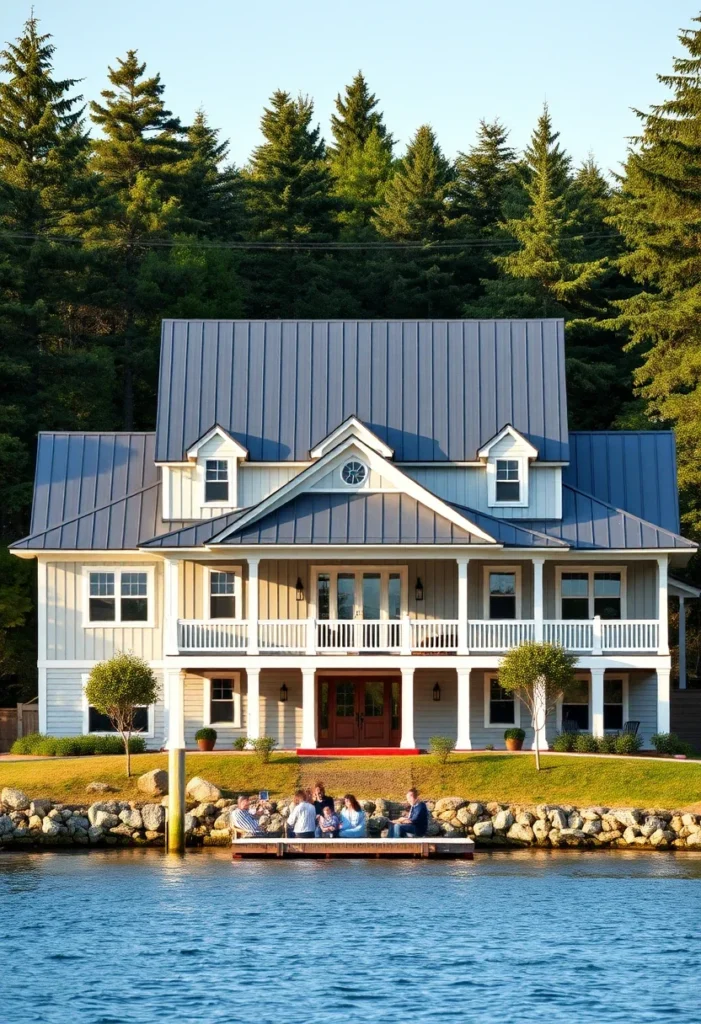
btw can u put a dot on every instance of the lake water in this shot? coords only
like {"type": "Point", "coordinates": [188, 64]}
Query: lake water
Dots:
{"type": "Point", "coordinates": [135, 936]}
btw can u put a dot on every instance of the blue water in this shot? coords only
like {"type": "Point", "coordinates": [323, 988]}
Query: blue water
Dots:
{"type": "Point", "coordinates": [134, 936]}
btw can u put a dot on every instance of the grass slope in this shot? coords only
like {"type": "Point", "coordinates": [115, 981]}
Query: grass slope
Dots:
{"type": "Point", "coordinates": [577, 780]}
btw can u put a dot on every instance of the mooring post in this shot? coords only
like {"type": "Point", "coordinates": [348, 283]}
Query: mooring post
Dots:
{"type": "Point", "coordinates": [176, 764]}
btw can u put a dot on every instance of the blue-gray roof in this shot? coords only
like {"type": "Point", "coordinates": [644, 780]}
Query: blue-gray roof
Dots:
{"type": "Point", "coordinates": [509, 532]}
{"type": "Point", "coordinates": [631, 469]}
{"type": "Point", "coordinates": [588, 523]}
{"type": "Point", "coordinates": [95, 492]}
{"type": "Point", "coordinates": [434, 391]}
{"type": "Point", "coordinates": [194, 534]}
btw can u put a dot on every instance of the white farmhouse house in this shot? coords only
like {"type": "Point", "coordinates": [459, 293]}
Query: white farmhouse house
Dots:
{"type": "Point", "coordinates": [337, 529]}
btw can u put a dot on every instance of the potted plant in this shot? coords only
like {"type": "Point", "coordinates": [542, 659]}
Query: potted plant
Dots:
{"type": "Point", "coordinates": [206, 738]}
{"type": "Point", "coordinates": [514, 738]}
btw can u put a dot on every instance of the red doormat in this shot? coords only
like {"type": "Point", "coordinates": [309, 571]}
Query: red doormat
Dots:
{"type": "Point", "coordinates": [356, 752]}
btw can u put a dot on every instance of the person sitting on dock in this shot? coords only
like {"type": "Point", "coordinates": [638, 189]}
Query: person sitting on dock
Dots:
{"type": "Point", "coordinates": [321, 801]}
{"type": "Point", "coordinates": [413, 824]}
{"type": "Point", "coordinates": [353, 825]}
{"type": "Point", "coordinates": [302, 820]}
{"type": "Point", "coordinates": [242, 821]}
{"type": "Point", "coordinates": [329, 824]}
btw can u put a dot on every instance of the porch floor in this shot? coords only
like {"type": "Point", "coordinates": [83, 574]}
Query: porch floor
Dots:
{"type": "Point", "coordinates": [357, 751]}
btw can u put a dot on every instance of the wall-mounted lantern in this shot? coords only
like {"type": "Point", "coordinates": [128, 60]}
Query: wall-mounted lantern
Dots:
{"type": "Point", "coordinates": [419, 592]}
{"type": "Point", "coordinates": [299, 586]}
{"type": "Point", "coordinates": [283, 693]}
{"type": "Point", "coordinates": [436, 692]}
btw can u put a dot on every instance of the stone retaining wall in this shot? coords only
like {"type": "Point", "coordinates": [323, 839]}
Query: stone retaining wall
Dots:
{"type": "Point", "coordinates": [37, 823]}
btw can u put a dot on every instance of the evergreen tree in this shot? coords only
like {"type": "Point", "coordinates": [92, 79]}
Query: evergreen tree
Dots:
{"type": "Point", "coordinates": [658, 213]}
{"type": "Point", "coordinates": [361, 183]}
{"type": "Point", "coordinates": [355, 121]}
{"type": "Point", "coordinates": [484, 177]}
{"type": "Point", "coordinates": [210, 190]}
{"type": "Point", "coordinates": [415, 206]}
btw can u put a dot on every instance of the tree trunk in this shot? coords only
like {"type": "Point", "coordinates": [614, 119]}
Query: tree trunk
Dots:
{"type": "Point", "coordinates": [537, 748]}
{"type": "Point", "coordinates": [127, 751]}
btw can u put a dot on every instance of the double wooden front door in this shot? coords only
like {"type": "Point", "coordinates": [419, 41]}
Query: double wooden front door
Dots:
{"type": "Point", "coordinates": [355, 712]}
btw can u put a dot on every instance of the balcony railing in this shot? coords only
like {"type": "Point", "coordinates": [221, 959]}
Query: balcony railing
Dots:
{"type": "Point", "coordinates": [419, 636]}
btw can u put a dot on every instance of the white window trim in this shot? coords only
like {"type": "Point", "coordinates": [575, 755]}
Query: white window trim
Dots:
{"type": "Point", "coordinates": [207, 699]}
{"type": "Point", "coordinates": [148, 735]}
{"type": "Point", "coordinates": [625, 677]}
{"type": "Point", "coordinates": [492, 481]}
{"type": "Point", "coordinates": [201, 472]}
{"type": "Point", "coordinates": [238, 591]}
{"type": "Point", "coordinates": [516, 724]}
{"type": "Point", "coordinates": [590, 570]}
{"type": "Point", "coordinates": [384, 570]}
{"type": "Point", "coordinates": [117, 623]}
{"type": "Point", "coordinates": [363, 483]}
{"type": "Point", "coordinates": [516, 570]}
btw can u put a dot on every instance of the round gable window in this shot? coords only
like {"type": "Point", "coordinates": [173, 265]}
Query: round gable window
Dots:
{"type": "Point", "coordinates": [354, 473]}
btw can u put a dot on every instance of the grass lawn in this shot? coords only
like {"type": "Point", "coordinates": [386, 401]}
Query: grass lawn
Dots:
{"type": "Point", "coordinates": [577, 780]}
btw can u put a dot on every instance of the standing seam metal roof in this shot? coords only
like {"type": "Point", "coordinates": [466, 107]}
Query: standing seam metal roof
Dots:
{"type": "Point", "coordinates": [433, 391]}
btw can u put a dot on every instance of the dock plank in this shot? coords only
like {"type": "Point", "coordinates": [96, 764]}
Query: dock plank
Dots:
{"type": "Point", "coordinates": [264, 846]}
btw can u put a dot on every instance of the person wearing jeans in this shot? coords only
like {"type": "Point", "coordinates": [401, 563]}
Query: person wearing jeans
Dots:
{"type": "Point", "coordinates": [414, 824]}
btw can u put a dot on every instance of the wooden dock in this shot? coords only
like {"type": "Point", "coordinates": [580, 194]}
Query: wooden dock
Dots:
{"type": "Point", "coordinates": [438, 848]}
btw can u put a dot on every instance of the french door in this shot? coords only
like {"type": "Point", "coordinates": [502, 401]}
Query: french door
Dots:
{"type": "Point", "coordinates": [360, 608]}
{"type": "Point", "coordinates": [359, 712]}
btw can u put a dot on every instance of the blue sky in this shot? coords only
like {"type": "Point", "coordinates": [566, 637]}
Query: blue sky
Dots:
{"type": "Point", "coordinates": [447, 64]}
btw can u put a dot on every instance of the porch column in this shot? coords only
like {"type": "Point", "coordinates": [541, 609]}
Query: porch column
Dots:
{"type": "Point", "coordinates": [682, 643]}
{"type": "Point", "coordinates": [308, 708]}
{"type": "Point", "coordinates": [253, 707]}
{"type": "Point", "coordinates": [463, 643]}
{"type": "Point", "coordinates": [662, 608]}
{"type": "Point", "coordinates": [663, 710]}
{"type": "Point", "coordinates": [176, 760]}
{"type": "Point", "coordinates": [597, 702]}
{"type": "Point", "coordinates": [407, 740]}
{"type": "Point", "coordinates": [253, 605]}
{"type": "Point", "coordinates": [463, 741]}
{"type": "Point", "coordinates": [171, 602]}
{"type": "Point", "coordinates": [538, 598]}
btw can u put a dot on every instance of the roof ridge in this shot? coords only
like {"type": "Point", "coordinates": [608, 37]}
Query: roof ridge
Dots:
{"type": "Point", "coordinates": [98, 433]}
{"type": "Point", "coordinates": [631, 515]}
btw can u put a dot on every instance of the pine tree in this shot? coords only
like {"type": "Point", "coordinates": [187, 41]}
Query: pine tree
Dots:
{"type": "Point", "coordinates": [355, 121]}
{"type": "Point", "coordinates": [361, 183]}
{"type": "Point", "coordinates": [484, 177]}
{"type": "Point", "coordinates": [658, 213]}
{"type": "Point", "coordinates": [209, 193]}
{"type": "Point", "coordinates": [415, 206]}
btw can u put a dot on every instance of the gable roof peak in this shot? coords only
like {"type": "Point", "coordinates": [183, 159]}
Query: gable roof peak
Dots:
{"type": "Point", "coordinates": [217, 429]}
{"type": "Point", "coordinates": [351, 427]}
{"type": "Point", "coordinates": [508, 430]}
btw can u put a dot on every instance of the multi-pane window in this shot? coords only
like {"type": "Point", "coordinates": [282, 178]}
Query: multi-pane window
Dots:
{"type": "Point", "coordinates": [222, 594]}
{"type": "Point", "coordinates": [607, 595]}
{"type": "Point", "coordinates": [613, 704]}
{"type": "Point", "coordinates": [502, 705]}
{"type": "Point", "coordinates": [97, 722]}
{"type": "Point", "coordinates": [575, 595]}
{"type": "Point", "coordinates": [216, 480]}
{"type": "Point", "coordinates": [508, 481]}
{"type": "Point", "coordinates": [221, 708]}
{"type": "Point", "coordinates": [588, 593]}
{"type": "Point", "coordinates": [118, 596]}
{"type": "Point", "coordinates": [502, 595]}
{"type": "Point", "coordinates": [575, 710]}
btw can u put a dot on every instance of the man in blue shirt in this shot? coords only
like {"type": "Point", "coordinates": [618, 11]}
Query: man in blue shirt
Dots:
{"type": "Point", "coordinates": [411, 825]}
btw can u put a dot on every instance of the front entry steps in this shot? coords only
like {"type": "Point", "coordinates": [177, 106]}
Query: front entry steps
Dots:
{"type": "Point", "coordinates": [356, 751]}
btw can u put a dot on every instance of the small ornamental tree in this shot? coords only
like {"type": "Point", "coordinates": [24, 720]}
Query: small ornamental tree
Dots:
{"type": "Point", "coordinates": [539, 675]}
{"type": "Point", "coordinates": [117, 687]}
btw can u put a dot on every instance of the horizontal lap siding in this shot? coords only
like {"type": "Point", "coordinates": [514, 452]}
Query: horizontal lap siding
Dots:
{"type": "Point", "coordinates": [642, 703]}
{"type": "Point", "coordinates": [68, 639]}
{"type": "Point", "coordinates": [64, 711]}
{"type": "Point", "coordinates": [283, 721]}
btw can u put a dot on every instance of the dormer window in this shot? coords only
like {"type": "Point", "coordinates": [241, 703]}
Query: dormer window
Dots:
{"type": "Point", "coordinates": [216, 481]}
{"type": "Point", "coordinates": [508, 480]}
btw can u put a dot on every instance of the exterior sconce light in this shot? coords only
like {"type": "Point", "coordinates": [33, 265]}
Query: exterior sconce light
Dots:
{"type": "Point", "coordinates": [283, 693]}
{"type": "Point", "coordinates": [300, 589]}
{"type": "Point", "coordinates": [419, 589]}
{"type": "Point", "coordinates": [436, 692]}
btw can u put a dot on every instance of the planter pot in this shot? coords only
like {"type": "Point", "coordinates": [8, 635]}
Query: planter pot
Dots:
{"type": "Point", "coordinates": [514, 744]}
{"type": "Point", "coordinates": [206, 744]}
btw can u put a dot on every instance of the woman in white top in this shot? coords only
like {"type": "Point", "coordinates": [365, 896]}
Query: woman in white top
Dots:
{"type": "Point", "coordinates": [302, 820]}
{"type": "Point", "coordinates": [353, 824]}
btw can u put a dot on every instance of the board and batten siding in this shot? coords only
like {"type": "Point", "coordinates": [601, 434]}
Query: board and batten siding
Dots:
{"type": "Point", "coordinates": [67, 637]}
{"type": "Point", "coordinates": [64, 705]}
{"type": "Point", "coordinates": [642, 703]}
{"type": "Point", "coordinates": [254, 482]}
{"type": "Point", "coordinates": [467, 485]}
{"type": "Point", "coordinates": [641, 586]}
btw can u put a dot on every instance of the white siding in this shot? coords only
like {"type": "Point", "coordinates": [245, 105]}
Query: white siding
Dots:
{"type": "Point", "coordinates": [68, 638]}
{"type": "Point", "coordinates": [642, 703]}
{"type": "Point", "coordinates": [467, 485]}
{"type": "Point", "coordinates": [64, 710]}
{"type": "Point", "coordinates": [282, 721]}
{"type": "Point", "coordinates": [333, 481]}
{"type": "Point", "coordinates": [258, 481]}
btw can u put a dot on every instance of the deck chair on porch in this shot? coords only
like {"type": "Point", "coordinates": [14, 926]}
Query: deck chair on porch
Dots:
{"type": "Point", "coordinates": [569, 725]}
{"type": "Point", "coordinates": [631, 728]}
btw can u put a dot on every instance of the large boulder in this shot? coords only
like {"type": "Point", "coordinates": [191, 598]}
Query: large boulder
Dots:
{"type": "Point", "coordinates": [131, 816]}
{"type": "Point", "coordinates": [628, 817]}
{"type": "Point", "coordinates": [15, 799]}
{"type": "Point", "coordinates": [40, 807]}
{"type": "Point", "coordinates": [519, 833]}
{"type": "Point", "coordinates": [7, 825]}
{"type": "Point", "coordinates": [154, 817]}
{"type": "Point", "coordinates": [105, 820]}
{"type": "Point", "coordinates": [448, 803]}
{"type": "Point", "coordinates": [202, 791]}
{"type": "Point", "coordinates": [558, 818]}
{"type": "Point", "coordinates": [502, 821]}
{"type": "Point", "coordinates": [483, 829]}
{"type": "Point", "coordinates": [50, 827]}
{"type": "Point", "coordinates": [99, 787]}
{"type": "Point", "coordinates": [153, 783]}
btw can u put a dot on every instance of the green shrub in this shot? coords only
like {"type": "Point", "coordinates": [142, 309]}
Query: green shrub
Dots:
{"type": "Point", "coordinates": [441, 747]}
{"type": "Point", "coordinates": [669, 743]}
{"type": "Point", "coordinates": [585, 743]}
{"type": "Point", "coordinates": [515, 734]}
{"type": "Point", "coordinates": [27, 744]}
{"type": "Point", "coordinates": [607, 743]}
{"type": "Point", "coordinates": [627, 743]}
{"type": "Point", "coordinates": [206, 734]}
{"type": "Point", "coordinates": [564, 742]}
{"type": "Point", "coordinates": [263, 747]}
{"type": "Point", "coordinates": [240, 742]}
{"type": "Point", "coordinates": [75, 746]}
{"type": "Point", "coordinates": [489, 746]}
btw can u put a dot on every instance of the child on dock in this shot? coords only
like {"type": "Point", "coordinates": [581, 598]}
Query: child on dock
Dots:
{"type": "Point", "coordinates": [329, 824]}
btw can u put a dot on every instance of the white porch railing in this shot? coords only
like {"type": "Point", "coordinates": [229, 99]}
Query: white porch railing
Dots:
{"type": "Point", "coordinates": [499, 635]}
{"type": "Point", "coordinates": [419, 635]}
{"type": "Point", "coordinates": [195, 635]}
